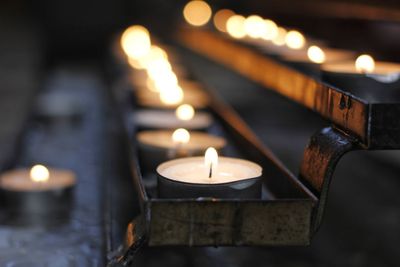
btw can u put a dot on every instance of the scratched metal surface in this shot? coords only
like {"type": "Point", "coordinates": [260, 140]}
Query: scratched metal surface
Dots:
{"type": "Point", "coordinates": [361, 225]}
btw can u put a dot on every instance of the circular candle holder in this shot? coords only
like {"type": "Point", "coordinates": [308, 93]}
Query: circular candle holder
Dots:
{"type": "Point", "coordinates": [156, 147]}
{"type": "Point", "coordinates": [37, 203]}
{"type": "Point", "coordinates": [381, 85]}
{"type": "Point", "coordinates": [245, 185]}
{"type": "Point", "coordinates": [165, 119]}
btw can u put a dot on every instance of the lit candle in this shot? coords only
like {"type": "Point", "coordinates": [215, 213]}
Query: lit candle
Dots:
{"type": "Point", "coordinates": [221, 17]}
{"type": "Point", "coordinates": [183, 117]}
{"type": "Point", "coordinates": [373, 81]}
{"type": "Point", "coordinates": [37, 194]}
{"type": "Point", "coordinates": [158, 146]}
{"type": "Point", "coordinates": [209, 176]}
{"type": "Point", "coordinates": [172, 97]}
{"type": "Point", "coordinates": [309, 60]}
{"type": "Point", "coordinates": [197, 13]}
{"type": "Point", "coordinates": [235, 26]}
{"type": "Point", "coordinates": [135, 41]}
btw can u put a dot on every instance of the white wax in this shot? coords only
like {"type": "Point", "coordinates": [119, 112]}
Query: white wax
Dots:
{"type": "Point", "coordinates": [163, 139]}
{"type": "Point", "coordinates": [193, 170]}
{"type": "Point", "coordinates": [381, 68]}
{"type": "Point", "coordinates": [162, 119]}
{"type": "Point", "coordinates": [19, 180]}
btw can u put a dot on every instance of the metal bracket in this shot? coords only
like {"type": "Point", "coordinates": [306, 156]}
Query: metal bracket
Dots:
{"type": "Point", "coordinates": [135, 238]}
{"type": "Point", "coordinates": [323, 152]}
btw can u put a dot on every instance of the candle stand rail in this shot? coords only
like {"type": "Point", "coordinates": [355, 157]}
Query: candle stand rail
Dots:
{"type": "Point", "coordinates": [288, 213]}
{"type": "Point", "coordinates": [357, 122]}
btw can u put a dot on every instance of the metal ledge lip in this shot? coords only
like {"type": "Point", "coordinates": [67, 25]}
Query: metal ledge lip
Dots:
{"type": "Point", "coordinates": [371, 123]}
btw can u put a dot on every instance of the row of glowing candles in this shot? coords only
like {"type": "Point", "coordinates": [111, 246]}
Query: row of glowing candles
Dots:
{"type": "Point", "coordinates": [141, 54]}
{"type": "Point", "coordinates": [199, 171]}
{"type": "Point", "coordinates": [199, 13]}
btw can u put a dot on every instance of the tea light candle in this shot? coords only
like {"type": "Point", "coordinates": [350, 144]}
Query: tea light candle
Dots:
{"type": "Point", "coordinates": [158, 146]}
{"type": "Point", "coordinates": [365, 78]}
{"type": "Point", "coordinates": [37, 194]}
{"type": "Point", "coordinates": [209, 176]}
{"type": "Point", "coordinates": [309, 60]}
{"type": "Point", "coordinates": [183, 117]}
{"type": "Point", "coordinates": [169, 99]}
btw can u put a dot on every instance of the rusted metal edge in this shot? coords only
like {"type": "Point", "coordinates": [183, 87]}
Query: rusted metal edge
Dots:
{"type": "Point", "coordinates": [345, 110]}
{"type": "Point", "coordinates": [229, 223]}
{"type": "Point", "coordinates": [324, 150]}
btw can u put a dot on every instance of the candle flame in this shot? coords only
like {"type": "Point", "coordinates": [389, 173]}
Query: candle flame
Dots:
{"type": "Point", "coordinates": [235, 26]}
{"type": "Point", "coordinates": [181, 136]}
{"type": "Point", "coordinates": [280, 37]}
{"type": "Point", "coordinates": [365, 64]}
{"type": "Point", "coordinates": [171, 95]}
{"type": "Point", "coordinates": [271, 30]}
{"type": "Point", "coordinates": [185, 112]}
{"type": "Point", "coordinates": [197, 13]}
{"type": "Point", "coordinates": [316, 54]}
{"type": "Point", "coordinates": [295, 40]}
{"type": "Point", "coordinates": [39, 173]}
{"type": "Point", "coordinates": [254, 26]}
{"type": "Point", "coordinates": [211, 159]}
{"type": "Point", "coordinates": [221, 18]}
{"type": "Point", "coordinates": [135, 41]}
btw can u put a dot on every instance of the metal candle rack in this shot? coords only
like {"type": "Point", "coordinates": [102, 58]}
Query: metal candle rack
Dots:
{"type": "Point", "coordinates": [284, 216]}
{"type": "Point", "coordinates": [356, 122]}
{"type": "Point", "coordinates": [291, 208]}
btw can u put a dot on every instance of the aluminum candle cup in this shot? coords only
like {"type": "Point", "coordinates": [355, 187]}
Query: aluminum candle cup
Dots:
{"type": "Point", "coordinates": [37, 196]}
{"type": "Point", "coordinates": [158, 146]}
{"type": "Point", "coordinates": [383, 84]}
{"type": "Point", "coordinates": [165, 119]}
{"type": "Point", "coordinates": [189, 178]}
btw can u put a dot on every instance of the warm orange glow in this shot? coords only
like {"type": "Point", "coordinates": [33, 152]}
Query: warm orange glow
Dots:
{"type": "Point", "coordinates": [135, 41]}
{"type": "Point", "coordinates": [280, 38]}
{"type": "Point", "coordinates": [136, 64]}
{"type": "Point", "coordinates": [365, 64]}
{"type": "Point", "coordinates": [172, 95]}
{"type": "Point", "coordinates": [271, 30]}
{"type": "Point", "coordinates": [181, 136]}
{"type": "Point", "coordinates": [316, 54]}
{"type": "Point", "coordinates": [158, 68]}
{"type": "Point", "coordinates": [151, 85]}
{"type": "Point", "coordinates": [185, 112]}
{"type": "Point", "coordinates": [39, 174]}
{"type": "Point", "coordinates": [221, 18]}
{"type": "Point", "coordinates": [235, 26]}
{"type": "Point", "coordinates": [164, 81]}
{"type": "Point", "coordinates": [295, 40]}
{"type": "Point", "coordinates": [155, 54]}
{"type": "Point", "coordinates": [197, 13]}
{"type": "Point", "coordinates": [254, 26]}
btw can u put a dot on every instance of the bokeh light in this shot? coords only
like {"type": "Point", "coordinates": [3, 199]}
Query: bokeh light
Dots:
{"type": "Point", "coordinates": [197, 13]}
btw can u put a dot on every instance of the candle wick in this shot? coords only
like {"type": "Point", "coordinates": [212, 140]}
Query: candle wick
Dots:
{"type": "Point", "coordinates": [210, 173]}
